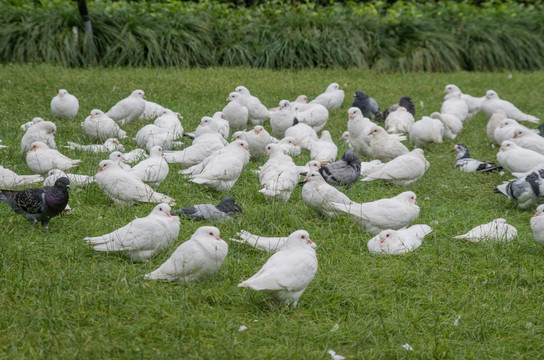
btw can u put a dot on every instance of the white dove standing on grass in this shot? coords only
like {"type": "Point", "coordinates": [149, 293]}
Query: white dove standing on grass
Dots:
{"type": "Point", "coordinates": [257, 139]}
{"type": "Point", "coordinates": [265, 243]}
{"type": "Point", "coordinates": [10, 180]}
{"type": "Point", "coordinates": [324, 150]}
{"type": "Point", "coordinates": [111, 144]}
{"type": "Point", "coordinates": [492, 103]}
{"type": "Point", "coordinates": [257, 112]}
{"type": "Point", "coordinates": [528, 139]}
{"type": "Point", "coordinates": [282, 119]}
{"type": "Point", "coordinates": [208, 124]}
{"type": "Point", "coordinates": [454, 104]}
{"type": "Point", "coordinates": [303, 134]}
{"type": "Point", "coordinates": [399, 121]}
{"type": "Point", "coordinates": [289, 146]}
{"type": "Point", "coordinates": [152, 170]}
{"type": "Point", "coordinates": [128, 109]}
{"type": "Point", "coordinates": [43, 131]}
{"type": "Point", "coordinates": [235, 112]}
{"type": "Point", "coordinates": [506, 128]}
{"type": "Point", "coordinates": [318, 195]}
{"type": "Point", "coordinates": [197, 259]}
{"type": "Point", "coordinates": [397, 242]}
{"type": "Point", "coordinates": [313, 114]}
{"type": "Point", "coordinates": [152, 135]}
{"type": "Point", "coordinates": [426, 131]}
{"type": "Point", "coordinates": [142, 238]}
{"type": "Point", "coordinates": [384, 146]}
{"type": "Point", "coordinates": [358, 129]}
{"type": "Point", "coordinates": [537, 225]}
{"type": "Point", "coordinates": [151, 110]}
{"type": "Point", "coordinates": [40, 159]}
{"type": "Point", "coordinates": [473, 103]}
{"type": "Point", "coordinates": [493, 123]}
{"type": "Point", "coordinates": [452, 125]}
{"type": "Point", "coordinates": [496, 230]}
{"type": "Point", "coordinates": [279, 175]}
{"type": "Point", "coordinates": [202, 147]}
{"type": "Point", "coordinates": [169, 120]}
{"type": "Point", "coordinates": [332, 98]}
{"type": "Point", "coordinates": [64, 105]}
{"type": "Point", "coordinates": [98, 125]}
{"type": "Point", "coordinates": [288, 272]}
{"type": "Point", "coordinates": [393, 213]}
{"type": "Point", "coordinates": [124, 188]}
{"type": "Point", "coordinates": [515, 159]}
{"type": "Point", "coordinates": [402, 170]}
{"type": "Point", "coordinates": [75, 179]}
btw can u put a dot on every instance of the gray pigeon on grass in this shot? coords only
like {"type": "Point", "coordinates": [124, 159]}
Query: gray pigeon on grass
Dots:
{"type": "Point", "coordinates": [369, 107]}
{"type": "Point", "coordinates": [226, 208]}
{"type": "Point", "coordinates": [343, 172]}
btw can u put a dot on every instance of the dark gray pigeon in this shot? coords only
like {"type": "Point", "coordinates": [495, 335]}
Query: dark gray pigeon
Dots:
{"type": "Point", "coordinates": [343, 172]}
{"type": "Point", "coordinates": [467, 164]}
{"type": "Point", "coordinates": [405, 102]}
{"type": "Point", "coordinates": [226, 208]}
{"type": "Point", "coordinates": [369, 107]}
{"type": "Point", "coordinates": [526, 191]}
{"type": "Point", "coordinates": [39, 204]}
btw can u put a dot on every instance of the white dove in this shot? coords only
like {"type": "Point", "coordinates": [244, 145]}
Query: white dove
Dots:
{"type": "Point", "coordinates": [128, 109]}
{"type": "Point", "coordinates": [257, 139]}
{"type": "Point", "coordinates": [332, 98]}
{"type": "Point", "coordinates": [257, 112]}
{"type": "Point", "coordinates": [152, 135]}
{"type": "Point", "coordinates": [505, 130]}
{"type": "Point", "coordinates": [28, 124]}
{"type": "Point", "coordinates": [194, 260]}
{"type": "Point", "coordinates": [493, 103]}
{"type": "Point", "coordinates": [111, 144]}
{"type": "Point", "coordinates": [384, 147]}
{"type": "Point", "coordinates": [142, 238]}
{"type": "Point", "coordinates": [64, 105]}
{"type": "Point", "coordinates": [399, 121]}
{"type": "Point", "coordinates": [10, 180]}
{"type": "Point", "coordinates": [318, 195]}
{"type": "Point", "coordinates": [453, 103]}
{"type": "Point", "coordinates": [452, 125]}
{"type": "Point", "coordinates": [426, 131]}
{"type": "Point", "coordinates": [270, 244]}
{"type": "Point", "coordinates": [397, 242]}
{"type": "Point", "coordinates": [493, 123]}
{"type": "Point", "coordinates": [345, 138]}
{"type": "Point", "coordinates": [152, 170]}
{"type": "Point", "coordinates": [303, 134]}
{"type": "Point", "coordinates": [473, 103]}
{"type": "Point", "coordinates": [312, 165]}
{"type": "Point", "coordinates": [135, 155]}
{"type": "Point", "coordinates": [124, 188]}
{"type": "Point", "coordinates": [98, 125]}
{"type": "Point", "coordinates": [288, 272]}
{"type": "Point", "coordinates": [537, 225]}
{"type": "Point", "coordinates": [393, 213]}
{"type": "Point", "coordinates": [289, 146]}
{"type": "Point", "coordinates": [75, 179]}
{"type": "Point", "coordinates": [324, 150]}
{"type": "Point", "coordinates": [496, 230]}
{"type": "Point", "coordinates": [235, 112]}
{"type": "Point", "coordinates": [202, 147]}
{"type": "Point", "coordinates": [151, 110]}
{"type": "Point", "coordinates": [515, 159]}
{"type": "Point", "coordinates": [282, 119]}
{"type": "Point", "coordinates": [528, 139]}
{"type": "Point", "coordinates": [358, 129]}
{"type": "Point", "coordinates": [40, 159]}
{"type": "Point", "coordinates": [210, 124]}
{"type": "Point", "coordinates": [224, 126]}
{"type": "Point", "coordinates": [42, 131]}
{"type": "Point", "coordinates": [169, 120]}
{"type": "Point", "coordinates": [279, 175]}
{"type": "Point", "coordinates": [313, 114]}
{"type": "Point", "coordinates": [402, 170]}
{"type": "Point", "coordinates": [118, 158]}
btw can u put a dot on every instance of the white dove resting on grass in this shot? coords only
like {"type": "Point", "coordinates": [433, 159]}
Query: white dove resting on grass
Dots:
{"type": "Point", "coordinates": [528, 139]}
{"type": "Point", "coordinates": [313, 114]}
{"type": "Point", "coordinates": [506, 128]}
{"type": "Point", "coordinates": [118, 158]}
{"type": "Point", "coordinates": [473, 103]}
{"type": "Point", "coordinates": [452, 125]}
{"type": "Point", "coordinates": [257, 112]}
{"type": "Point", "coordinates": [152, 135]}
{"type": "Point", "coordinates": [124, 188]}
{"type": "Point", "coordinates": [28, 124]}
{"type": "Point", "coordinates": [492, 103]}
{"type": "Point", "coordinates": [397, 242]}
{"type": "Point", "coordinates": [324, 150]}
{"type": "Point", "coordinates": [265, 243]}
{"type": "Point", "coordinates": [98, 125]}
{"type": "Point", "coordinates": [111, 144]}
{"type": "Point", "coordinates": [43, 131]}
{"type": "Point", "coordinates": [383, 146]}
{"type": "Point", "coordinates": [151, 110]}
{"type": "Point", "coordinates": [169, 120]}
{"type": "Point", "coordinates": [426, 131]}
{"type": "Point", "coordinates": [10, 180]}
{"type": "Point", "coordinates": [332, 98]}
{"type": "Point", "coordinates": [40, 159]}
{"type": "Point", "coordinates": [515, 159]}
{"type": "Point", "coordinates": [288, 272]}
{"type": "Point", "coordinates": [279, 175]}
{"type": "Point", "coordinates": [303, 134]}
{"type": "Point", "coordinates": [257, 139]}
{"type": "Point", "coordinates": [454, 104]}
{"type": "Point", "coordinates": [142, 238]}
{"type": "Point", "coordinates": [129, 108]}
{"type": "Point", "coordinates": [152, 170]}
{"type": "Point", "coordinates": [282, 119]}
{"type": "Point", "coordinates": [64, 105]}
{"type": "Point", "coordinates": [235, 112]}
{"type": "Point", "coordinates": [402, 170]}
{"type": "Point", "coordinates": [318, 195]}
{"type": "Point", "coordinates": [493, 123]}
{"type": "Point", "coordinates": [202, 147]}
{"type": "Point", "coordinates": [358, 129]}
{"type": "Point", "coordinates": [496, 230]}
{"type": "Point", "coordinates": [399, 121]}
{"type": "Point", "coordinates": [289, 146]}
{"type": "Point", "coordinates": [75, 179]}
{"type": "Point", "coordinates": [196, 259]}
{"type": "Point", "coordinates": [537, 225]}
{"type": "Point", "coordinates": [393, 213]}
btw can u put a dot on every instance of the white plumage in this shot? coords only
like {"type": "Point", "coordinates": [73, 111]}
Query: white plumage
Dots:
{"type": "Point", "coordinates": [473, 103]}
{"type": "Point", "coordinates": [152, 170]}
{"type": "Point", "coordinates": [257, 112]}
{"type": "Point", "coordinates": [324, 150]}
{"type": "Point", "coordinates": [279, 175]}
{"type": "Point", "coordinates": [332, 98]}
{"type": "Point", "coordinates": [40, 159]}
{"type": "Point", "coordinates": [397, 242]}
{"type": "Point", "coordinates": [318, 195]}
{"type": "Point", "coordinates": [358, 129]}
{"type": "Point", "coordinates": [43, 131]}
{"type": "Point", "coordinates": [426, 131]}
{"type": "Point", "coordinates": [492, 103]}
{"type": "Point", "coordinates": [98, 125]}
{"type": "Point", "coordinates": [528, 139]}
{"type": "Point", "coordinates": [257, 139]}
{"type": "Point", "coordinates": [516, 159]}
{"type": "Point", "coordinates": [151, 110]}
{"type": "Point", "coordinates": [10, 179]}
{"type": "Point", "coordinates": [235, 112]}
{"type": "Point", "coordinates": [121, 161]}
{"type": "Point", "coordinates": [202, 147]}
{"type": "Point", "coordinates": [75, 179]}
{"type": "Point", "coordinates": [152, 135]}
{"type": "Point", "coordinates": [493, 123]}
{"type": "Point", "coordinates": [313, 114]}
{"type": "Point", "coordinates": [384, 146]}
{"type": "Point", "coordinates": [289, 146]}
{"type": "Point", "coordinates": [64, 105]}
{"type": "Point", "coordinates": [402, 170]}
{"type": "Point", "coordinates": [505, 130]}
{"type": "Point", "coordinates": [452, 125]}
{"type": "Point", "coordinates": [169, 120]}
{"type": "Point", "coordinates": [454, 104]}
{"type": "Point", "coordinates": [28, 124]}
{"type": "Point", "coordinates": [399, 121]}
{"type": "Point", "coordinates": [537, 225]}
{"type": "Point", "coordinates": [129, 108]}
{"type": "Point", "coordinates": [303, 134]}
{"type": "Point", "coordinates": [265, 243]}
{"type": "Point", "coordinates": [282, 119]}
{"type": "Point", "coordinates": [496, 230]}
{"type": "Point", "coordinates": [111, 144]}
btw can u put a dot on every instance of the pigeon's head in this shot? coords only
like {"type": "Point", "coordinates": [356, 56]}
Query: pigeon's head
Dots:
{"type": "Point", "coordinates": [258, 129]}
{"type": "Point", "coordinates": [228, 205]}
{"type": "Point", "coordinates": [242, 90]}
{"type": "Point", "coordinates": [539, 210]}
{"type": "Point", "coordinates": [491, 94]}
{"type": "Point", "coordinates": [303, 99]}
{"type": "Point", "coordinates": [460, 148]}
{"type": "Point", "coordinates": [385, 237]}
{"type": "Point", "coordinates": [96, 113]}
{"type": "Point", "coordinates": [519, 132]}
{"type": "Point", "coordinates": [156, 151]}
{"type": "Point", "coordinates": [288, 140]}
{"type": "Point", "coordinates": [105, 165]}
{"type": "Point", "coordinates": [241, 144]}
{"type": "Point", "coordinates": [239, 135]}
{"type": "Point", "coordinates": [138, 94]}
{"type": "Point", "coordinates": [47, 127]}
{"type": "Point", "coordinates": [333, 87]}
{"type": "Point", "coordinates": [313, 175]}
{"type": "Point", "coordinates": [507, 145]}
{"type": "Point", "coordinates": [345, 136]}
{"type": "Point", "coordinates": [361, 95]}
{"type": "Point", "coordinates": [375, 130]}
{"type": "Point", "coordinates": [232, 96]}
{"type": "Point", "coordinates": [36, 120]}
{"type": "Point", "coordinates": [117, 156]}
{"type": "Point", "coordinates": [354, 112]}
{"type": "Point", "coordinates": [284, 104]}
{"type": "Point", "coordinates": [62, 92]}
{"type": "Point", "coordinates": [409, 196]}
{"type": "Point", "coordinates": [162, 209]}
{"type": "Point", "coordinates": [271, 149]}
{"type": "Point", "coordinates": [38, 145]}
{"type": "Point", "coordinates": [209, 233]}
{"type": "Point", "coordinates": [299, 238]}
{"type": "Point", "coordinates": [451, 89]}
{"type": "Point", "coordinates": [351, 158]}
{"type": "Point", "coordinates": [62, 183]}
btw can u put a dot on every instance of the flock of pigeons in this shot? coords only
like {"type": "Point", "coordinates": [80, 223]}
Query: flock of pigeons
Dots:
{"type": "Point", "coordinates": [213, 162]}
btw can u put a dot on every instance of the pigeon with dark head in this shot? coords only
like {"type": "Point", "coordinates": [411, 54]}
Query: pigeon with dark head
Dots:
{"type": "Point", "coordinates": [467, 164]}
{"type": "Point", "coordinates": [369, 107]}
{"type": "Point", "coordinates": [405, 102]}
{"type": "Point", "coordinates": [226, 209]}
{"type": "Point", "coordinates": [39, 204]}
{"type": "Point", "coordinates": [343, 172]}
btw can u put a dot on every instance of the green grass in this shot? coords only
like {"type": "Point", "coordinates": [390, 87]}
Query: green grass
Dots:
{"type": "Point", "coordinates": [61, 299]}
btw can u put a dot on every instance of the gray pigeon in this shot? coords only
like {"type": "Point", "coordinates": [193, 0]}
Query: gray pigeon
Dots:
{"type": "Point", "coordinates": [405, 102]}
{"type": "Point", "coordinates": [343, 172]}
{"type": "Point", "coordinates": [39, 204]}
{"type": "Point", "coordinates": [467, 164]}
{"type": "Point", "coordinates": [526, 191]}
{"type": "Point", "coordinates": [369, 107]}
{"type": "Point", "coordinates": [226, 208]}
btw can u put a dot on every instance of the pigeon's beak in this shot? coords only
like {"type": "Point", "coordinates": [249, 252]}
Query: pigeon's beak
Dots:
{"type": "Point", "coordinates": [350, 116]}
{"type": "Point", "coordinates": [305, 179]}
{"type": "Point", "coordinates": [247, 148]}
{"type": "Point", "coordinates": [312, 244]}
{"type": "Point", "coordinates": [415, 202]}
{"type": "Point", "coordinates": [227, 99]}
{"type": "Point", "coordinates": [168, 214]}
{"type": "Point", "coordinates": [370, 133]}
{"type": "Point", "coordinates": [143, 96]}
{"type": "Point", "coordinates": [68, 187]}
{"type": "Point", "coordinates": [452, 150]}
{"type": "Point", "coordinates": [218, 239]}
{"type": "Point", "coordinates": [536, 214]}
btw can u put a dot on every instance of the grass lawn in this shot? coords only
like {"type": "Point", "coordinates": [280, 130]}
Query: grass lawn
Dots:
{"type": "Point", "coordinates": [448, 299]}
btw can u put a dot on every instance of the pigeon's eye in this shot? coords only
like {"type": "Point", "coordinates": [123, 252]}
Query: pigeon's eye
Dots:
{"type": "Point", "coordinates": [211, 233]}
{"type": "Point", "coordinates": [160, 209]}
{"type": "Point", "coordinates": [303, 237]}
{"type": "Point", "coordinates": [387, 235]}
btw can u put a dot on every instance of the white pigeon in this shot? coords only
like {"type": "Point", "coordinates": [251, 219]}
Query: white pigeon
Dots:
{"type": "Point", "coordinates": [111, 144]}
{"type": "Point", "coordinates": [318, 195]}
{"type": "Point", "coordinates": [142, 238]}
{"type": "Point", "coordinates": [289, 146]}
{"type": "Point", "coordinates": [135, 155]}
{"type": "Point", "coordinates": [64, 105]}
{"type": "Point", "coordinates": [43, 131]}
{"type": "Point", "coordinates": [223, 170]}
{"type": "Point", "coordinates": [367, 166]}
{"type": "Point", "coordinates": [537, 225]}
{"type": "Point", "coordinates": [224, 126]}
{"type": "Point", "coordinates": [426, 131]}
{"type": "Point", "coordinates": [528, 139]}
{"type": "Point", "coordinates": [324, 150]}
{"type": "Point", "coordinates": [257, 112]}
{"type": "Point", "coordinates": [454, 104]}
{"type": "Point", "coordinates": [312, 165]}
{"type": "Point", "coordinates": [279, 175]}
{"type": "Point", "coordinates": [303, 134]}
{"type": "Point", "coordinates": [402, 170]}
{"type": "Point", "coordinates": [124, 188]}
{"type": "Point", "coordinates": [28, 124]}
{"type": "Point", "coordinates": [128, 109]}
{"type": "Point", "coordinates": [452, 125]}
{"type": "Point", "coordinates": [40, 159]}
{"type": "Point", "coordinates": [202, 147]}
{"type": "Point", "coordinates": [515, 159]}
{"type": "Point", "coordinates": [282, 119]}
{"type": "Point", "coordinates": [98, 125]}
{"type": "Point", "coordinates": [397, 242]}
{"type": "Point", "coordinates": [399, 121]}
{"type": "Point", "coordinates": [473, 103]}
{"type": "Point", "coordinates": [332, 98]}
{"type": "Point", "coordinates": [118, 158]}
{"type": "Point", "coordinates": [288, 272]}
{"type": "Point", "coordinates": [496, 230]}
{"type": "Point", "coordinates": [358, 129]}
{"type": "Point", "coordinates": [169, 120]}
{"type": "Point", "coordinates": [152, 170]}
{"type": "Point", "coordinates": [345, 138]}
{"type": "Point", "coordinates": [493, 103]}
{"type": "Point", "coordinates": [152, 135]}
{"type": "Point", "coordinates": [75, 179]}
{"type": "Point", "coordinates": [235, 112]}
{"type": "Point", "coordinates": [257, 139]}
{"type": "Point", "coordinates": [493, 123]}
{"type": "Point", "coordinates": [10, 180]}
{"type": "Point", "coordinates": [265, 243]}
{"type": "Point", "coordinates": [313, 114]}
{"type": "Point", "coordinates": [151, 110]}
{"type": "Point", "coordinates": [393, 213]}
{"type": "Point", "coordinates": [211, 124]}
{"type": "Point", "coordinates": [505, 130]}
{"type": "Point", "coordinates": [383, 146]}
{"type": "Point", "coordinates": [196, 259]}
